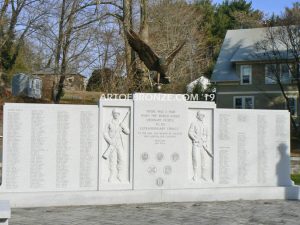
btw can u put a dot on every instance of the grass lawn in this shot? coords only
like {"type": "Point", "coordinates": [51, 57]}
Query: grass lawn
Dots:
{"type": "Point", "coordinates": [296, 178]}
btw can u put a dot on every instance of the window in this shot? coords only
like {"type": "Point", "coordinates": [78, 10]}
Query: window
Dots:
{"type": "Point", "coordinates": [293, 105]}
{"type": "Point", "coordinates": [248, 103]}
{"type": "Point", "coordinates": [285, 75]}
{"type": "Point", "coordinates": [243, 102]}
{"type": "Point", "coordinates": [36, 86]}
{"type": "Point", "coordinates": [246, 74]}
{"type": "Point", "coordinates": [270, 77]}
{"type": "Point", "coordinates": [30, 84]}
{"type": "Point", "coordinates": [238, 103]}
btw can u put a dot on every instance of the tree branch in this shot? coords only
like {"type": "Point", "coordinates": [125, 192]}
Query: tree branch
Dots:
{"type": "Point", "coordinates": [97, 19]}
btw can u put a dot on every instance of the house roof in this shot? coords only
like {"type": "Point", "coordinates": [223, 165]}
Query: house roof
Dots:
{"type": "Point", "coordinates": [240, 46]}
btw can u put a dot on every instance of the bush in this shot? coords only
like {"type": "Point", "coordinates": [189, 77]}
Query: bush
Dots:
{"type": "Point", "coordinates": [296, 178]}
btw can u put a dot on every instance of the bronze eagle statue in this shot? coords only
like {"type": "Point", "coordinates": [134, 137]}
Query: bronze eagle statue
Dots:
{"type": "Point", "coordinates": [152, 61]}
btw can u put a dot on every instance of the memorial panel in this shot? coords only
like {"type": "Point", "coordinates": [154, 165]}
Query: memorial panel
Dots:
{"type": "Point", "coordinates": [116, 144]}
{"type": "Point", "coordinates": [200, 149]}
{"type": "Point", "coordinates": [252, 146]}
{"type": "Point", "coordinates": [50, 147]}
{"type": "Point", "coordinates": [160, 142]}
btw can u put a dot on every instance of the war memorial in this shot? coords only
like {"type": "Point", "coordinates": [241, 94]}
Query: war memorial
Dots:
{"type": "Point", "coordinates": [152, 148]}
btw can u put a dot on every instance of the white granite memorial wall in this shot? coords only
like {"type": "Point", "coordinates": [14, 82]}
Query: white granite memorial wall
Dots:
{"type": "Point", "coordinates": [154, 147]}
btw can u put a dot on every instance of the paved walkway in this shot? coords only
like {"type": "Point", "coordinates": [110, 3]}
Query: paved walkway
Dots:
{"type": "Point", "coordinates": [210, 213]}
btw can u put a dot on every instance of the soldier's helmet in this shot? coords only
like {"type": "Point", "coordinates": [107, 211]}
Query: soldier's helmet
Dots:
{"type": "Point", "coordinates": [200, 115]}
{"type": "Point", "coordinates": [115, 111]}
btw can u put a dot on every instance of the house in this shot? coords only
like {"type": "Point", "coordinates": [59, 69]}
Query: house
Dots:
{"type": "Point", "coordinates": [27, 86]}
{"type": "Point", "coordinates": [73, 81]}
{"type": "Point", "coordinates": [245, 77]}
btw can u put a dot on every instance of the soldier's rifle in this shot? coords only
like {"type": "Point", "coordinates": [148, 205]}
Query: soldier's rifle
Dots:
{"type": "Point", "coordinates": [106, 151]}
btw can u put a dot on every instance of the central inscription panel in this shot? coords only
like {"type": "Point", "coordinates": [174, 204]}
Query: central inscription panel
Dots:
{"type": "Point", "coordinates": [160, 142]}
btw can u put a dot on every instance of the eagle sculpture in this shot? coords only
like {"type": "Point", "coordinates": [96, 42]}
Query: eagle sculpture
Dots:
{"type": "Point", "coordinates": [152, 61]}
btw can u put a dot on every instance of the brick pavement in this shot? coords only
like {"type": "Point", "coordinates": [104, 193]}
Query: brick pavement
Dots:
{"type": "Point", "coordinates": [211, 213]}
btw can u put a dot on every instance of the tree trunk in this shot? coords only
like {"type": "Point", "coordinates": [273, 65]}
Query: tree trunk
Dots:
{"type": "Point", "coordinates": [60, 36]}
{"type": "Point", "coordinates": [142, 74]}
{"type": "Point", "coordinates": [144, 28]}
{"type": "Point", "coordinates": [58, 51]}
{"type": "Point", "coordinates": [65, 49]}
{"type": "Point", "coordinates": [127, 24]}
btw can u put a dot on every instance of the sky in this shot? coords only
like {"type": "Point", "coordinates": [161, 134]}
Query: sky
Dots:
{"type": "Point", "coordinates": [269, 6]}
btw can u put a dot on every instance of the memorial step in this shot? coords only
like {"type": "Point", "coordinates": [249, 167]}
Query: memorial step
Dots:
{"type": "Point", "coordinates": [5, 212]}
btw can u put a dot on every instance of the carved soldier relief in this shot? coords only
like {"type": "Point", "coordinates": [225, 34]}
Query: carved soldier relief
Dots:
{"type": "Point", "coordinates": [201, 153]}
{"type": "Point", "coordinates": [116, 141]}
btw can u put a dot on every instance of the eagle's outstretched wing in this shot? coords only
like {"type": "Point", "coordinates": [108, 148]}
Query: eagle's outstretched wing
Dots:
{"type": "Point", "coordinates": [172, 55]}
{"type": "Point", "coordinates": [146, 54]}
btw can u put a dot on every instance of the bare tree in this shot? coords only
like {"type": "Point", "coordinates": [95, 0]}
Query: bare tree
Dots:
{"type": "Point", "coordinates": [68, 34]}
{"type": "Point", "coordinates": [18, 18]}
{"type": "Point", "coordinates": [170, 22]}
{"type": "Point", "coordinates": [83, 34]}
{"type": "Point", "coordinates": [282, 46]}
